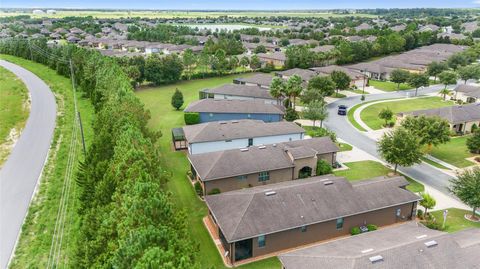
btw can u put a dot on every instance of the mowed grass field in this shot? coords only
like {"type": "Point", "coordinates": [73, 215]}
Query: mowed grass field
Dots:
{"type": "Point", "coordinates": [388, 86]}
{"type": "Point", "coordinates": [370, 114]}
{"type": "Point", "coordinates": [455, 219]}
{"type": "Point", "coordinates": [163, 118]}
{"type": "Point", "coordinates": [182, 14]}
{"type": "Point", "coordinates": [14, 109]}
{"type": "Point", "coordinates": [33, 247]}
{"type": "Point", "coordinates": [454, 152]}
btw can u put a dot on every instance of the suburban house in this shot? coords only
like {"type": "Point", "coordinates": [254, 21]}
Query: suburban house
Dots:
{"type": "Point", "coordinates": [305, 74]}
{"type": "Point", "coordinates": [460, 117]}
{"type": "Point", "coordinates": [259, 165]}
{"type": "Point", "coordinates": [234, 109]}
{"type": "Point", "coordinates": [357, 78]}
{"type": "Point", "coordinates": [260, 80]}
{"type": "Point", "coordinates": [277, 58]}
{"type": "Point", "coordinates": [263, 220]}
{"type": "Point", "coordinates": [224, 135]}
{"type": "Point", "coordinates": [467, 93]}
{"type": "Point", "coordinates": [372, 70]}
{"type": "Point", "coordinates": [240, 92]}
{"type": "Point", "coordinates": [409, 245]}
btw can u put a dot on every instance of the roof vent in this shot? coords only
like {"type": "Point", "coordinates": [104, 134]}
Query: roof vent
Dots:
{"type": "Point", "coordinates": [431, 243]}
{"type": "Point", "coordinates": [235, 121]}
{"type": "Point", "coordinates": [262, 147]}
{"type": "Point", "coordinates": [328, 182]}
{"type": "Point", "coordinates": [223, 122]}
{"type": "Point", "coordinates": [367, 250]}
{"type": "Point", "coordinates": [270, 193]}
{"type": "Point", "coordinates": [244, 149]}
{"type": "Point", "coordinates": [421, 236]}
{"type": "Point", "coordinates": [376, 258]}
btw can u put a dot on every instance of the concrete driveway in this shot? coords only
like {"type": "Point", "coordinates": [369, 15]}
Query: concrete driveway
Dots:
{"type": "Point", "coordinates": [20, 174]}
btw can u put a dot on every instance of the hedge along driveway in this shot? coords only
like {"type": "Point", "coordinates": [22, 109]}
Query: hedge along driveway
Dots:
{"type": "Point", "coordinates": [369, 115]}
{"type": "Point", "coordinates": [164, 118]}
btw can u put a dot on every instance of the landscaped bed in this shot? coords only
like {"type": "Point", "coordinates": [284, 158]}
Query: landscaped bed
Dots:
{"type": "Point", "coordinates": [370, 114]}
{"type": "Point", "coordinates": [369, 169]}
{"type": "Point", "coordinates": [454, 152]}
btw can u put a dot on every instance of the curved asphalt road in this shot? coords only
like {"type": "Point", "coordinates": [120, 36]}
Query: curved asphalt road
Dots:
{"type": "Point", "coordinates": [21, 172]}
{"type": "Point", "coordinates": [344, 130]}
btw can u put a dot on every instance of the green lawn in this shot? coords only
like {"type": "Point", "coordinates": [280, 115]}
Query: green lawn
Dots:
{"type": "Point", "coordinates": [344, 146]}
{"type": "Point", "coordinates": [454, 152]}
{"type": "Point", "coordinates": [433, 163]}
{"type": "Point", "coordinates": [369, 169]}
{"type": "Point", "coordinates": [14, 109]}
{"type": "Point", "coordinates": [164, 118]}
{"type": "Point", "coordinates": [388, 86]}
{"type": "Point", "coordinates": [455, 219]}
{"type": "Point", "coordinates": [370, 114]}
{"type": "Point", "coordinates": [33, 246]}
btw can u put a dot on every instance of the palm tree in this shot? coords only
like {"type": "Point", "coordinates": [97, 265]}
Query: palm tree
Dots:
{"type": "Point", "coordinates": [294, 87]}
{"type": "Point", "coordinates": [444, 93]}
{"type": "Point", "coordinates": [277, 88]}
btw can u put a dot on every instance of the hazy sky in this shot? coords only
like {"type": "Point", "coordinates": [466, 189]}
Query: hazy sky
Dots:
{"type": "Point", "coordinates": [238, 4]}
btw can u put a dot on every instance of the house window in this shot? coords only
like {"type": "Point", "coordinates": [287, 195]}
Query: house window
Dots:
{"type": "Point", "coordinates": [263, 176]}
{"type": "Point", "coordinates": [242, 177]}
{"type": "Point", "coordinates": [339, 223]}
{"type": "Point", "coordinates": [398, 212]}
{"type": "Point", "coordinates": [250, 142]}
{"type": "Point", "coordinates": [303, 228]}
{"type": "Point", "coordinates": [261, 241]}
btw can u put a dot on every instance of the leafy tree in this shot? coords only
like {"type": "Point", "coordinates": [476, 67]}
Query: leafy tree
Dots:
{"type": "Point", "coordinates": [244, 62]}
{"type": "Point", "coordinates": [418, 80]}
{"type": "Point", "coordinates": [162, 70]}
{"type": "Point", "coordinates": [469, 72]}
{"type": "Point", "coordinates": [277, 88]}
{"type": "Point", "coordinates": [316, 110]}
{"type": "Point", "coordinates": [431, 131]}
{"type": "Point", "coordinates": [435, 68]}
{"type": "Point", "coordinates": [233, 60]}
{"type": "Point", "coordinates": [204, 61]}
{"type": "Point", "coordinates": [260, 49]}
{"type": "Point", "coordinates": [341, 80]}
{"type": "Point", "coordinates": [134, 74]}
{"type": "Point", "coordinates": [399, 147]}
{"type": "Point", "coordinates": [177, 99]}
{"type": "Point", "coordinates": [324, 85]}
{"type": "Point", "coordinates": [299, 56]}
{"type": "Point", "coordinates": [447, 78]}
{"type": "Point", "coordinates": [473, 142]}
{"type": "Point", "coordinates": [428, 202]}
{"type": "Point", "coordinates": [189, 60]}
{"type": "Point", "coordinates": [291, 114]}
{"type": "Point", "coordinates": [294, 87]}
{"type": "Point", "coordinates": [457, 60]}
{"type": "Point", "coordinates": [467, 188]}
{"type": "Point", "coordinates": [220, 62]}
{"type": "Point", "coordinates": [399, 76]}
{"type": "Point", "coordinates": [255, 62]}
{"type": "Point", "coordinates": [386, 114]}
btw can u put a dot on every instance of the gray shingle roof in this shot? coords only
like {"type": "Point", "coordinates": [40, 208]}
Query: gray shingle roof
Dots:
{"type": "Point", "coordinates": [241, 90]}
{"type": "Point", "coordinates": [217, 165]}
{"type": "Point", "coordinates": [399, 246]}
{"type": "Point", "coordinates": [227, 130]}
{"type": "Point", "coordinates": [259, 79]}
{"type": "Point", "coordinates": [305, 74]}
{"type": "Point", "coordinates": [469, 90]}
{"type": "Point", "coordinates": [453, 114]}
{"type": "Point", "coordinates": [233, 106]}
{"type": "Point", "coordinates": [250, 212]}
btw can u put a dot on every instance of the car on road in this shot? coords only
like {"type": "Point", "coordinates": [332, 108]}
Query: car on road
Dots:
{"type": "Point", "coordinates": [342, 110]}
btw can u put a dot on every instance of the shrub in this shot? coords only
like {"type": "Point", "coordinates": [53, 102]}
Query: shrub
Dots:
{"type": "Point", "coordinates": [420, 213]}
{"type": "Point", "coordinates": [371, 227]}
{"type": "Point", "coordinates": [433, 224]}
{"type": "Point", "coordinates": [291, 114]}
{"type": "Point", "coordinates": [198, 188]}
{"type": "Point", "coordinates": [355, 231]}
{"type": "Point", "coordinates": [323, 168]}
{"type": "Point", "coordinates": [321, 132]}
{"type": "Point", "coordinates": [190, 175]}
{"type": "Point", "coordinates": [473, 142]}
{"type": "Point", "coordinates": [474, 128]}
{"type": "Point", "coordinates": [214, 191]}
{"type": "Point", "coordinates": [177, 99]}
{"type": "Point", "coordinates": [191, 118]}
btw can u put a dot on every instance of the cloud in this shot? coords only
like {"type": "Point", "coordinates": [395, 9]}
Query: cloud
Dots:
{"type": "Point", "coordinates": [477, 2]}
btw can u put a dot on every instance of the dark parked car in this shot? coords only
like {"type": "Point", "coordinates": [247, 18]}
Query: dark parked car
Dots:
{"type": "Point", "coordinates": [342, 110]}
